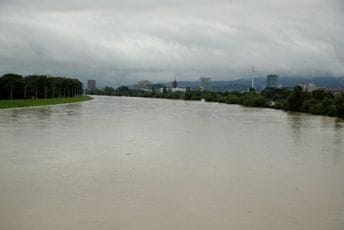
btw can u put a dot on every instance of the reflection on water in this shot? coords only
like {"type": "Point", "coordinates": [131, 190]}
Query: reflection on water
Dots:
{"type": "Point", "coordinates": [338, 141]}
{"type": "Point", "coordinates": [39, 113]}
{"type": "Point", "coordinates": [296, 122]}
{"type": "Point", "coordinates": [134, 163]}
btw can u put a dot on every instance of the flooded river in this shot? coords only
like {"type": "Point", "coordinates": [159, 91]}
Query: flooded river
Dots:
{"type": "Point", "coordinates": [151, 164]}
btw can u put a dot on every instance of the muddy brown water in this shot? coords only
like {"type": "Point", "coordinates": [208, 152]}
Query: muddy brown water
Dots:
{"type": "Point", "coordinates": [146, 164]}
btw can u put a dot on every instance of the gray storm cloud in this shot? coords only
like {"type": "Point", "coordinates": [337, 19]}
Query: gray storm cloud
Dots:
{"type": "Point", "coordinates": [157, 40]}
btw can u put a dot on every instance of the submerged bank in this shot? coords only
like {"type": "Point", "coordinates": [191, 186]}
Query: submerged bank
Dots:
{"type": "Point", "coordinates": [39, 102]}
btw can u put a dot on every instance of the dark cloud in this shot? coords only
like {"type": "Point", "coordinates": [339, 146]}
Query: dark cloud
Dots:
{"type": "Point", "coordinates": [146, 39]}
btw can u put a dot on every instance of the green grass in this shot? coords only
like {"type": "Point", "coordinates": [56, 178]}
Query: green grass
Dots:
{"type": "Point", "coordinates": [39, 102]}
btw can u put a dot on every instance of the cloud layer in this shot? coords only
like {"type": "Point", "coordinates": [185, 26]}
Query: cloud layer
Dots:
{"type": "Point", "coordinates": [125, 41]}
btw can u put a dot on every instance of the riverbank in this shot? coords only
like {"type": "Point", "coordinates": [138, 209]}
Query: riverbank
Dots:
{"type": "Point", "coordinates": [4, 104]}
{"type": "Point", "coordinates": [318, 102]}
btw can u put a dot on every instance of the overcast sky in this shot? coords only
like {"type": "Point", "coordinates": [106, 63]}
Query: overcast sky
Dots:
{"type": "Point", "coordinates": [124, 41]}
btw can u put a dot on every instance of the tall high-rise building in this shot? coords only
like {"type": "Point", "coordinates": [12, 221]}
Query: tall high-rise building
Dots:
{"type": "Point", "coordinates": [272, 81]}
{"type": "Point", "coordinates": [91, 85]}
{"type": "Point", "coordinates": [204, 83]}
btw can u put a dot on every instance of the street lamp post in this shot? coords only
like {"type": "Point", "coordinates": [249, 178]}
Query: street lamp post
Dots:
{"type": "Point", "coordinates": [11, 92]}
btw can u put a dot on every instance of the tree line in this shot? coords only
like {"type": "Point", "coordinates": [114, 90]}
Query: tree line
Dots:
{"type": "Point", "coordinates": [15, 86]}
{"type": "Point", "coordinates": [320, 102]}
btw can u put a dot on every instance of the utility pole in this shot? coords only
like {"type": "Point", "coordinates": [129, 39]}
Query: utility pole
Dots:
{"type": "Point", "coordinates": [11, 92]}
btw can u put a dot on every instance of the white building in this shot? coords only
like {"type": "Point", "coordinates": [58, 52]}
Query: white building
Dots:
{"type": "Point", "coordinates": [173, 90]}
{"type": "Point", "coordinates": [309, 87]}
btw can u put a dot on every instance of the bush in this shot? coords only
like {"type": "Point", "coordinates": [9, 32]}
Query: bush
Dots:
{"type": "Point", "coordinates": [254, 100]}
{"type": "Point", "coordinates": [232, 99]}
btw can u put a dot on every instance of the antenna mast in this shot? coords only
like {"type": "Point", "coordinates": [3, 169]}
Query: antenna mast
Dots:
{"type": "Point", "coordinates": [252, 82]}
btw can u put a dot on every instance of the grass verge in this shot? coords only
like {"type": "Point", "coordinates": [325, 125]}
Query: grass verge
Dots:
{"type": "Point", "coordinates": [4, 104]}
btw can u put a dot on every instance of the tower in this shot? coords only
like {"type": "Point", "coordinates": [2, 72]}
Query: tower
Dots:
{"type": "Point", "coordinates": [252, 88]}
{"type": "Point", "coordinates": [174, 83]}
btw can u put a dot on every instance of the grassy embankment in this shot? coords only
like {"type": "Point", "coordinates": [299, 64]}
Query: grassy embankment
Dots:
{"type": "Point", "coordinates": [39, 102]}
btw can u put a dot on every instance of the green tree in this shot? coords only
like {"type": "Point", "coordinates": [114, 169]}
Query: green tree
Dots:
{"type": "Point", "coordinates": [108, 91]}
{"type": "Point", "coordinates": [12, 86]}
{"type": "Point", "coordinates": [339, 103]}
{"type": "Point", "coordinates": [253, 100]}
{"type": "Point", "coordinates": [296, 98]}
{"type": "Point", "coordinates": [328, 107]}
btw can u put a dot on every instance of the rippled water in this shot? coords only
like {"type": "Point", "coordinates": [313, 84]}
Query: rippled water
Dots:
{"type": "Point", "coordinates": [134, 163]}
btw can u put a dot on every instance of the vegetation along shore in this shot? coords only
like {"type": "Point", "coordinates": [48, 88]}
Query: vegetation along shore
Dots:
{"type": "Point", "coordinates": [320, 102]}
{"type": "Point", "coordinates": [38, 90]}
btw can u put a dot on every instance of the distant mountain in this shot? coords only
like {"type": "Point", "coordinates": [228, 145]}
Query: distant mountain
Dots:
{"type": "Point", "coordinates": [244, 83]}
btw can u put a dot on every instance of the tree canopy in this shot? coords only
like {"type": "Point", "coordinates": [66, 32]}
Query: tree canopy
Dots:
{"type": "Point", "coordinates": [14, 86]}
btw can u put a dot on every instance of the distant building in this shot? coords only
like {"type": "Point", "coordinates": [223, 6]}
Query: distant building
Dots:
{"type": "Point", "coordinates": [156, 87]}
{"type": "Point", "coordinates": [144, 85]}
{"type": "Point", "coordinates": [335, 91]}
{"type": "Point", "coordinates": [174, 84]}
{"type": "Point", "coordinates": [173, 90]}
{"type": "Point", "coordinates": [183, 90]}
{"type": "Point", "coordinates": [204, 83]}
{"type": "Point", "coordinates": [272, 81]}
{"type": "Point", "coordinates": [309, 87]}
{"type": "Point", "coordinates": [91, 85]}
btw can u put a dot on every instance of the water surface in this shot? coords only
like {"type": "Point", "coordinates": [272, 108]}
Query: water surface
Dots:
{"type": "Point", "coordinates": [134, 163]}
